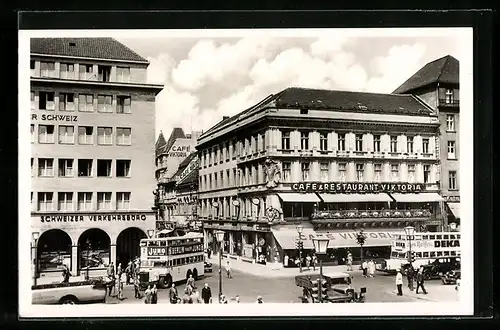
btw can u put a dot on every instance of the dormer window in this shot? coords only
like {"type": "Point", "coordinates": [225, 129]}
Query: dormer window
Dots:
{"type": "Point", "coordinates": [449, 96]}
{"type": "Point", "coordinates": [72, 44]}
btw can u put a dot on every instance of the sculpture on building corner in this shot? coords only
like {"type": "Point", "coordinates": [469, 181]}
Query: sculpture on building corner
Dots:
{"type": "Point", "coordinates": [273, 173]}
{"type": "Point", "coordinates": [272, 214]}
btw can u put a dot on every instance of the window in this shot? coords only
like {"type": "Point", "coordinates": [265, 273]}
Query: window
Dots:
{"type": "Point", "coordinates": [66, 134]}
{"type": "Point", "coordinates": [104, 167]}
{"type": "Point", "coordinates": [66, 102]}
{"type": "Point", "coordinates": [359, 142]}
{"type": "Point", "coordinates": [122, 74]}
{"type": "Point", "coordinates": [47, 69]}
{"type": "Point", "coordinates": [287, 171]}
{"type": "Point", "coordinates": [304, 141]}
{"type": "Point", "coordinates": [104, 103]}
{"type": "Point", "coordinates": [123, 200]}
{"type": "Point", "coordinates": [65, 201]}
{"type": "Point", "coordinates": [427, 173]}
{"type": "Point", "coordinates": [221, 156]}
{"type": "Point", "coordinates": [235, 177]}
{"type": "Point", "coordinates": [394, 144]}
{"type": "Point", "coordinates": [411, 173]}
{"type": "Point", "coordinates": [263, 142]}
{"type": "Point", "coordinates": [378, 172]}
{"type": "Point", "coordinates": [222, 178]}
{"type": "Point", "coordinates": [123, 104]}
{"type": "Point", "coordinates": [104, 72]}
{"type": "Point", "coordinates": [304, 111]}
{"type": "Point", "coordinates": [450, 123]}
{"type": "Point", "coordinates": [45, 167]}
{"type": "Point", "coordinates": [285, 140]}
{"type": "Point", "coordinates": [84, 201]}
{"type": "Point", "coordinates": [210, 181]}
{"type": "Point", "coordinates": [46, 133]}
{"type": "Point", "coordinates": [216, 185]}
{"type": "Point", "coordinates": [67, 71]}
{"type": "Point", "coordinates": [123, 168]}
{"type": "Point", "coordinates": [341, 142]}
{"type": "Point", "coordinates": [342, 172]}
{"type": "Point", "coordinates": [45, 201]}
{"type": "Point", "coordinates": [226, 151]}
{"type": "Point", "coordinates": [104, 135]}
{"type": "Point", "coordinates": [86, 102]}
{"type": "Point", "coordinates": [451, 150]}
{"type": "Point", "coordinates": [409, 144]}
{"type": "Point", "coordinates": [104, 201]}
{"type": "Point", "coordinates": [376, 143]}
{"type": "Point", "coordinates": [395, 172]}
{"type": "Point", "coordinates": [32, 128]}
{"type": "Point", "coordinates": [360, 169]}
{"type": "Point", "coordinates": [228, 181]}
{"type": "Point", "coordinates": [324, 170]}
{"type": "Point", "coordinates": [452, 180]}
{"type": "Point", "coordinates": [85, 135]}
{"type": "Point", "coordinates": [448, 96]}
{"type": "Point", "coordinates": [234, 149]}
{"type": "Point", "coordinates": [123, 136]}
{"type": "Point", "coordinates": [46, 101]}
{"type": "Point", "coordinates": [32, 67]}
{"type": "Point", "coordinates": [323, 141]}
{"type": "Point", "coordinates": [305, 171]}
{"type": "Point", "coordinates": [425, 146]}
{"type": "Point", "coordinates": [86, 71]}
{"type": "Point", "coordinates": [65, 167]}
{"type": "Point", "coordinates": [84, 167]}
{"type": "Point", "coordinates": [32, 166]}
{"type": "Point", "coordinates": [214, 156]}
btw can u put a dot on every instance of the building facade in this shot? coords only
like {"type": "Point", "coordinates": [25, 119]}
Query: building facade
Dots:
{"type": "Point", "coordinates": [92, 160]}
{"type": "Point", "coordinates": [334, 162]}
{"type": "Point", "coordinates": [437, 83]}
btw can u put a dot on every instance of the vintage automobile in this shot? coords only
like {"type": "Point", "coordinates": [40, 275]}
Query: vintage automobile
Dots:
{"type": "Point", "coordinates": [339, 289]}
{"type": "Point", "coordinates": [439, 267]}
{"type": "Point", "coordinates": [208, 267]}
{"type": "Point", "coordinates": [82, 292]}
{"type": "Point", "coordinates": [451, 277]}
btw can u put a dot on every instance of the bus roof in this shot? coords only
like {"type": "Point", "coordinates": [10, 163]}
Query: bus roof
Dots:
{"type": "Point", "coordinates": [187, 236]}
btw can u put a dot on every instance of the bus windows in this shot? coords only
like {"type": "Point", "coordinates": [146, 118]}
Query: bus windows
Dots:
{"type": "Point", "coordinates": [394, 254]}
{"type": "Point", "coordinates": [432, 236]}
{"type": "Point", "coordinates": [425, 237]}
{"type": "Point", "coordinates": [433, 254]}
{"type": "Point", "coordinates": [458, 236]}
{"type": "Point", "coordinates": [445, 236]}
{"type": "Point", "coordinates": [163, 243]}
{"type": "Point", "coordinates": [419, 254]}
{"type": "Point", "coordinates": [142, 243]}
{"type": "Point", "coordinates": [452, 236]}
{"type": "Point", "coordinates": [438, 237]}
{"type": "Point", "coordinates": [453, 253]}
{"type": "Point", "coordinates": [425, 254]}
{"type": "Point", "coordinates": [446, 253]}
{"type": "Point", "coordinates": [153, 243]}
{"type": "Point", "coordinates": [440, 253]}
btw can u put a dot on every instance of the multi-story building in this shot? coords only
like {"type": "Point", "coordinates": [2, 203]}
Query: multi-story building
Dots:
{"type": "Point", "coordinates": [92, 159]}
{"type": "Point", "coordinates": [332, 161]}
{"type": "Point", "coordinates": [437, 83]}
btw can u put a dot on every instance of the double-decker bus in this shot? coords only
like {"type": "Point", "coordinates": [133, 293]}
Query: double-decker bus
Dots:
{"type": "Point", "coordinates": [425, 248]}
{"type": "Point", "coordinates": [164, 261]}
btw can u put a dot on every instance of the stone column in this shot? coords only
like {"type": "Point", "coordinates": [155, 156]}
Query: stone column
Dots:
{"type": "Point", "coordinates": [231, 242]}
{"type": "Point", "coordinates": [112, 254]}
{"type": "Point", "coordinates": [74, 260]}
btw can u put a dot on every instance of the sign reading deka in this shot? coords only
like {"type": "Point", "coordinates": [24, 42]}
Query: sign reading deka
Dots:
{"type": "Point", "coordinates": [93, 218]}
{"type": "Point", "coordinates": [356, 187]}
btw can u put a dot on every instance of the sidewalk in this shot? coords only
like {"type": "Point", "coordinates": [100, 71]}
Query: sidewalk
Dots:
{"type": "Point", "coordinates": [57, 279]}
{"type": "Point", "coordinates": [272, 270]}
{"type": "Point", "coordinates": [436, 292]}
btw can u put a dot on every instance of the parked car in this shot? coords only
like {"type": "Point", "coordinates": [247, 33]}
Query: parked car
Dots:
{"type": "Point", "coordinates": [339, 289]}
{"type": "Point", "coordinates": [93, 291]}
{"type": "Point", "coordinates": [440, 266]}
{"type": "Point", "coordinates": [451, 277]}
{"type": "Point", "coordinates": [208, 267]}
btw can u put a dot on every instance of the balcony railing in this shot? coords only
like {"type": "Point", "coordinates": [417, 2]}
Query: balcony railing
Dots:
{"type": "Point", "coordinates": [357, 214]}
{"type": "Point", "coordinates": [449, 103]}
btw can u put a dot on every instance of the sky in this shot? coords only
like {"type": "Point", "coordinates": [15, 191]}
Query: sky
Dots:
{"type": "Point", "coordinates": [206, 78]}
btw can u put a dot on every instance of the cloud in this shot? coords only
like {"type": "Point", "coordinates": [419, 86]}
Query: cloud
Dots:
{"type": "Point", "coordinates": [160, 68]}
{"type": "Point", "coordinates": [175, 109]}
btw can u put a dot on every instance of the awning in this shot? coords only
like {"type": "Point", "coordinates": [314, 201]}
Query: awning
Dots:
{"type": "Point", "coordinates": [455, 209]}
{"type": "Point", "coordinates": [296, 197]}
{"type": "Point", "coordinates": [345, 198]}
{"type": "Point", "coordinates": [347, 238]}
{"type": "Point", "coordinates": [417, 198]}
{"type": "Point", "coordinates": [286, 237]}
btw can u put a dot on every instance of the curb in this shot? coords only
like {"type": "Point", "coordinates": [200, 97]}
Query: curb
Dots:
{"type": "Point", "coordinates": [415, 296]}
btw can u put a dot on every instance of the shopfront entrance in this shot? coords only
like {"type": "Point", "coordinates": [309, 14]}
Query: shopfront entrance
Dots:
{"type": "Point", "coordinates": [127, 245]}
{"type": "Point", "coordinates": [54, 251]}
{"type": "Point", "coordinates": [93, 249]}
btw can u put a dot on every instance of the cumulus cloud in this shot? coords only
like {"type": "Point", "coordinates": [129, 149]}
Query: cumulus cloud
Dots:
{"type": "Point", "coordinates": [159, 69]}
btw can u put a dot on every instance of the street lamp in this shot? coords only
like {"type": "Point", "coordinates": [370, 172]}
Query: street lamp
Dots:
{"type": "Point", "coordinates": [300, 228]}
{"type": "Point", "coordinates": [35, 235]}
{"type": "Point", "coordinates": [361, 238]}
{"type": "Point", "coordinates": [150, 233]}
{"type": "Point", "coordinates": [88, 260]}
{"type": "Point", "coordinates": [320, 246]}
{"type": "Point", "coordinates": [409, 231]}
{"type": "Point", "coordinates": [219, 235]}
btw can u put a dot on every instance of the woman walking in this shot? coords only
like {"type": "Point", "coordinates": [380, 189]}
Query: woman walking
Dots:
{"type": "Point", "coordinates": [148, 295]}
{"type": "Point", "coordinates": [154, 295]}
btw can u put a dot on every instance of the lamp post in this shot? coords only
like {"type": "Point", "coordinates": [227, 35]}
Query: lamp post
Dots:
{"type": "Point", "coordinates": [320, 245]}
{"type": "Point", "coordinates": [219, 235]}
{"type": "Point", "coordinates": [87, 243]}
{"type": "Point", "coordinates": [361, 238]}
{"type": "Point", "coordinates": [35, 235]}
{"type": "Point", "coordinates": [409, 231]}
{"type": "Point", "coordinates": [300, 228]}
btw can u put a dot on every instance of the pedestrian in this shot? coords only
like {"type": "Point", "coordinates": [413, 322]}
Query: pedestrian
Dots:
{"type": "Point", "coordinates": [154, 295]}
{"type": "Point", "coordinates": [420, 280]}
{"type": "Point", "coordinates": [120, 288]}
{"type": "Point", "coordinates": [308, 262]}
{"type": "Point", "coordinates": [314, 261]}
{"type": "Point", "coordinates": [297, 262]}
{"type": "Point", "coordinates": [195, 297]}
{"type": "Point", "coordinates": [222, 299]}
{"type": "Point", "coordinates": [228, 270]}
{"type": "Point", "coordinates": [371, 268]}
{"type": "Point", "coordinates": [190, 282]}
{"type": "Point", "coordinates": [137, 292]}
{"type": "Point", "coordinates": [364, 266]}
{"type": "Point", "coordinates": [128, 272]}
{"type": "Point", "coordinates": [209, 253]}
{"type": "Point", "coordinates": [119, 270]}
{"type": "Point", "coordinates": [410, 275]}
{"type": "Point", "coordinates": [286, 260]}
{"type": "Point", "coordinates": [349, 261]}
{"type": "Point", "coordinates": [259, 300]}
{"type": "Point", "coordinates": [399, 282]}
{"type": "Point", "coordinates": [111, 285]}
{"type": "Point", "coordinates": [206, 294]}
{"type": "Point", "coordinates": [186, 299]}
{"type": "Point", "coordinates": [173, 295]}
{"type": "Point", "coordinates": [457, 285]}
{"type": "Point", "coordinates": [66, 274]}
{"type": "Point", "coordinates": [237, 298]}
{"type": "Point", "coordinates": [148, 295]}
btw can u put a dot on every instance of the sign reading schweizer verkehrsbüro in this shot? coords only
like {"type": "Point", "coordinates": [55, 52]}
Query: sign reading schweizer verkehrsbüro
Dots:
{"type": "Point", "coordinates": [358, 187]}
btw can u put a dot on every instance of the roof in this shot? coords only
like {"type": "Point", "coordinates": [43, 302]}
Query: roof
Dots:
{"type": "Point", "coordinates": [99, 48]}
{"type": "Point", "coordinates": [442, 70]}
{"type": "Point", "coordinates": [192, 177]}
{"type": "Point", "coordinates": [177, 133]}
{"type": "Point", "coordinates": [188, 159]}
{"type": "Point", "coordinates": [160, 142]}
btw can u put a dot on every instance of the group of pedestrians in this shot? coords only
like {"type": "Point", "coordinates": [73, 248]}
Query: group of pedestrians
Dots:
{"type": "Point", "coordinates": [412, 275]}
{"type": "Point", "coordinates": [368, 268]}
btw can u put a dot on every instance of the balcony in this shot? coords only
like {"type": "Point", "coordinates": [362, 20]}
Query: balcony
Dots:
{"type": "Point", "coordinates": [449, 103]}
{"type": "Point", "coordinates": [370, 214]}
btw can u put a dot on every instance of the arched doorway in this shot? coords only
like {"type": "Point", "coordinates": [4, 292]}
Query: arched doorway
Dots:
{"type": "Point", "coordinates": [54, 250]}
{"type": "Point", "coordinates": [93, 249]}
{"type": "Point", "coordinates": [127, 245]}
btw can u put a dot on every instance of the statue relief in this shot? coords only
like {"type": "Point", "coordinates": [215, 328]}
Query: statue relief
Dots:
{"type": "Point", "coordinates": [273, 173]}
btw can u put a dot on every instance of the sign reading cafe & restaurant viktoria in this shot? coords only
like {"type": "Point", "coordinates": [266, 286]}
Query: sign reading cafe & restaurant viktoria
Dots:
{"type": "Point", "coordinates": [356, 187]}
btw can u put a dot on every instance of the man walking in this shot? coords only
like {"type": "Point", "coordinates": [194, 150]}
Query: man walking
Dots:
{"type": "Point", "coordinates": [190, 282]}
{"type": "Point", "coordinates": [66, 274]}
{"type": "Point", "coordinates": [399, 282]}
{"type": "Point", "coordinates": [206, 294]}
{"type": "Point", "coordinates": [349, 261]}
{"type": "Point", "coordinates": [410, 275]}
{"type": "Point", "coordinates": [228, 270]}
{"type": "Point", "coordinates": [364, 266]}
{"type": "Point", "coordinates": [137, 292]}
{"type": "Point", "coordinates": [420, 280]}
{"type": "Point", "coordinates": [172, 294]}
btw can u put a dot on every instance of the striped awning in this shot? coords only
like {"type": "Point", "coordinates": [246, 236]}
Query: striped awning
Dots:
{"type": "Point", "coordinates": [417, 198]}
{"type": "Point", "coordinates": [346, 198]}
{"type": "Point", "coordinates": [297, 198]}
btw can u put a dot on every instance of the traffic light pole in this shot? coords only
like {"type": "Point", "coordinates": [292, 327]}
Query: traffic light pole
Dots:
{"type": "Point", "coordinates": [320, 282]}
{"type": "Point", "coordinates": [300, 259]}
{"type": "Point", "coordinates": [410, 257]}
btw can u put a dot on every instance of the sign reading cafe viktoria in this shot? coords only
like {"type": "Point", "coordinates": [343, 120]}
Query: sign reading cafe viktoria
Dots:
{"type": "Point", "coordinates": [356, 187]}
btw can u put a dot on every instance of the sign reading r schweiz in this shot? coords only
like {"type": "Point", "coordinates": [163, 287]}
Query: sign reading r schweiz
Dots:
{"type": "Point", "coordinates": [104, 217]}
{"type": "Point", "coordinates": [356, 187]}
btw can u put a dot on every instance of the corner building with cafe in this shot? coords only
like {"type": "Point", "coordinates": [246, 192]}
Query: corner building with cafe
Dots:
{"type": "Point", "coordinates": [334, 162]}
{"type": "Point", "coordinates": [92, 154]}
